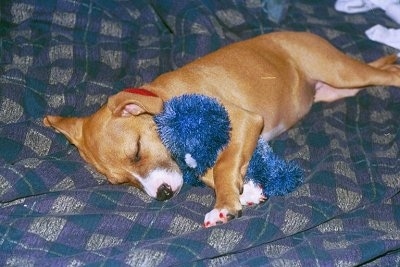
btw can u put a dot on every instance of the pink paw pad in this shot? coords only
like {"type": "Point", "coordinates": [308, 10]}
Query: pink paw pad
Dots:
{"type": "Point", "coordinates": [217, 216]}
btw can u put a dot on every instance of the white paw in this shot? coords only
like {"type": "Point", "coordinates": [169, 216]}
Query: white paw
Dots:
{"type": "Point", "coordinates": [217, 216]}
{"type": "Point", "coordinates": [252, 194]}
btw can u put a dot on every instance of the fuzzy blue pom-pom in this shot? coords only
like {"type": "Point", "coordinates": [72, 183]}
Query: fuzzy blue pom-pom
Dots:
{"type": "Point", "coordinates": [194, 128]}
{"type": "Point", "coordinates": [276, 176]}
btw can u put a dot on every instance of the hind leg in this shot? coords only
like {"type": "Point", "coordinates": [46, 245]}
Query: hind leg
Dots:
{"type": "Point", "coordinates": [327, 93]}
{"type": "Point", "coordinates": [320, 61]}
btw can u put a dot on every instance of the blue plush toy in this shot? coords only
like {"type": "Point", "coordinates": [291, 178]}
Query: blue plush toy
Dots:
{"type": "Point", "coordinates": [195, 128]}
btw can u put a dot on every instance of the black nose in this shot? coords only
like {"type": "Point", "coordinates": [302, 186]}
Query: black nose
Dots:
{"type": "Point", "coordinates": [164, 192]}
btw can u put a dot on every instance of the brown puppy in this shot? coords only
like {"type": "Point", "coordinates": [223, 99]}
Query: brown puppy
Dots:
{"type": "Point", "coordinates": [267, 84]}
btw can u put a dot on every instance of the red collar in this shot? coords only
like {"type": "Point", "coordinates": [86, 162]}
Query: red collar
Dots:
{"type": "Point", "coordinates": [140, 91]}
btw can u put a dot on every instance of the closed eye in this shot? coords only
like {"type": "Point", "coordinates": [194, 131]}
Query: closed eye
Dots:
{"type": "Point", "coordinates": [137, 157]}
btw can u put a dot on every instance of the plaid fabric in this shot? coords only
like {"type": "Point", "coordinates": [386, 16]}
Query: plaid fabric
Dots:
{"type": "Point", "coordinates": [67, 57]}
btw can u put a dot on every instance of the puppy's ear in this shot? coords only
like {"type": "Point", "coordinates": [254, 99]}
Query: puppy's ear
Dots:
{"type": "Point", "coordinates": [128, 103]}
{"type": "Point", "coordinates": [70, 127]}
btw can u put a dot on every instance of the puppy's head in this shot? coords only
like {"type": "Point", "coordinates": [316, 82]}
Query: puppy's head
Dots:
{"type": "Point", "coordinates": [120, 140]}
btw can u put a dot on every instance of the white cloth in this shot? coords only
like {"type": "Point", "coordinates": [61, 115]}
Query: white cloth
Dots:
{"type": "Point", "coordinates": [390, 37]}
{"type": "Point", "coordinates": [378, 33]}
{"type": "Point", "coordinates": [354, 6]}
{"type": "Point", "coordinates": [393, 12]}
{"type": "Point", "coordinates": [391, 7]}
{"type": "Point", "coordinates": [384, 4]}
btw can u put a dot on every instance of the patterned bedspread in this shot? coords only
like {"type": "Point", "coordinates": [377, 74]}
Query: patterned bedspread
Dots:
{"type": "Point", "coordinates": [66, 57]}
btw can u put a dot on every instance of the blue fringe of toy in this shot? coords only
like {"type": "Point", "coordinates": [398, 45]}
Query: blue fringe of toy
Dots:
{"type": "Point", "coordinates": [195, 128]}
{"type": "Point", "coordinates": [276, 176]}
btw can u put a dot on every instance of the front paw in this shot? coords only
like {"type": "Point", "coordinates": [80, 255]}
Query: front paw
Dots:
{"type": "Point", "coordinates": [219, 216]}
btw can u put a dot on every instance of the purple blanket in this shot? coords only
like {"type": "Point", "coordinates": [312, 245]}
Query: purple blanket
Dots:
{"type": "Point", "coordinates": [66, 57]}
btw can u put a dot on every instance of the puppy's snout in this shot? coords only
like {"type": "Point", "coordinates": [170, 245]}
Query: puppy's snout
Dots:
{"type": "Point", "coordinates": [164, 192]}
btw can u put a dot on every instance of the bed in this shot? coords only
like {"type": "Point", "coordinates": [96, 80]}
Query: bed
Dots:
{"type": "Point", "coordinates": [66, 57]}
